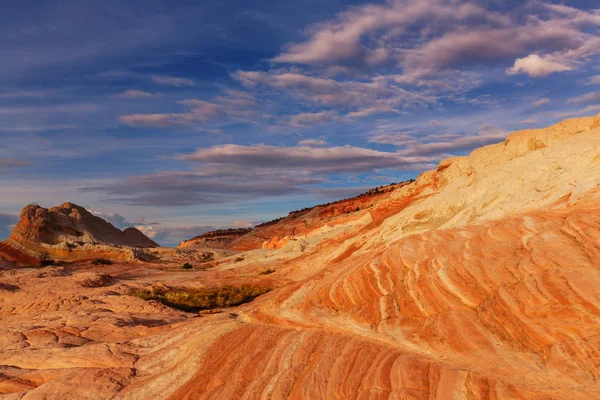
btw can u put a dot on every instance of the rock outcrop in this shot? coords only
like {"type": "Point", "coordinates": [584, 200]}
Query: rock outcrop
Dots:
{"type": "Point", "coordinates": [68, 231]}
{"type": "Point", "coordinates": [219, 239]}
{"type": "Point", "coordinates": [477, 281]}
{"type": "Point", "coordinates": [269, 235]}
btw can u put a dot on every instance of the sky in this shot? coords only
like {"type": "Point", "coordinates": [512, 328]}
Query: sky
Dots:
{"type": "Point", "coordinates": [182, 117]}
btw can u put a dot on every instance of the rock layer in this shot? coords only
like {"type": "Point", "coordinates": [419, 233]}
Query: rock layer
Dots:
{"type": "Point", "coordinates": [219, 239]}
{"type": "Point", "coordinates": [477, 281]}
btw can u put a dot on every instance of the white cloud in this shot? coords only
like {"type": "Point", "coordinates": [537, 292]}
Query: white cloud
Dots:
{"type": "Point", "coordinates": [451, 35]}
{"type": "Point", "coordinates": [117, 220]}
{"type": "Point", "coordinates": [536, 66]}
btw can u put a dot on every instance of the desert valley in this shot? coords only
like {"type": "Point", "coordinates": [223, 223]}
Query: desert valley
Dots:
{"type": "Point", "coordinates": [480, 279]}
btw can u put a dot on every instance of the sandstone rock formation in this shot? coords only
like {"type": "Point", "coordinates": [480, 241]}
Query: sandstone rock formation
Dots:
{"type": "Point", "coordinates": [68, 231]}
{"type": "Point", "coordinates": [477, 281]}
{"type": "Point", "coordinates": [219, 239]}
{"type": "Point", "coordinates": [269, 235]}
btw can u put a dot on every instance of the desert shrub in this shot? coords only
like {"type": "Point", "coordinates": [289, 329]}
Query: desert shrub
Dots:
{"type": "Point", "coordinates": [191, 299]}
{"type": "Point", "coordinates": [45, 260]}
{"type": "Point", "coordinates": [187, 266]}
{"type": "Point", "coordinates": [101, 261]}
{"type": "Point", "coordinates": [207, 257]}
{"type": "Point", "coordinates": [267, 271]}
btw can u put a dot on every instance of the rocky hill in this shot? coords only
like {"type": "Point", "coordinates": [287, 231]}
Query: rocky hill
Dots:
{"type": "Point", "coordinates": [219, 239]}
{"type": "Point", "coordinates": [277, 233]}
{"type": "Point", "coordinates": [477, 281]}
{"type": "Point", "coordinates": [67, 231]}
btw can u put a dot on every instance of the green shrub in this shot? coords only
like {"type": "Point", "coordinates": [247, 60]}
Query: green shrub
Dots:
{"type": "Point", "coordinates": [190, 299]}
{"type": "Point", "coordinates": [187, 266]}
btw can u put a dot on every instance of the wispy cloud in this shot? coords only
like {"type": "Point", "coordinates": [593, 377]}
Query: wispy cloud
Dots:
{"type": "Point", "coordinates": [173, 81]}
{"type": "Point", "coordinates": [234, 104]}
{"type": "Point", "coordinates": [234, 172]}
{"type": "Point", "coordinates": [594, 80]}
{"type": "Point", "coordinates": [136, 94]}
{"type": "Point", "coordinates": [328, 159]}
{"type": "Point", "coordinates": [308, 119]}
{"type": "Point", "coordinates": [363, 97]}
{"type": "Point", "coordinates": [9, 163]}
{"type": "Point", "coordinates": [592, 97]}
{"type": "Point", "coordinates": [440, 145]}
{"type": "Point", "coordinates": [541, 102]}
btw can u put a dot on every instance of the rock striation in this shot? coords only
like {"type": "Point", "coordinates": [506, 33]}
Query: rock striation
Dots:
{"type": "Point", "coordinates": [219, 239]}
{"type": "Point", "coordinates": [477, 281]}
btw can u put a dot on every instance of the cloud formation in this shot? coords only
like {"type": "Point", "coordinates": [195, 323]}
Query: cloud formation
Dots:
{"type": "Point", "coordinates": [312, 142]}
{"type": "Point", "coordinates": [541, 102]}
{"type": "Point", "coordinates": [172, 236]}
{"type": "Point", "coordinates": [235, 104]}
{"type": "Point", "coordinates": [165, 236]}
{"type": "Point", "coordinates": [235, 172]}
{"type": "Point", "coordinates": [117, 220]}
{"type": "Point", "coordinates": [536, 66]}
{"type": "Point", "coordinates": [325, 160]}
{"type": "Point", "coordinates": [173, 81]}
{"type": "Point", "coordinates": [451, 34]}
{"type": "Point", "coordinates": [136, 94]}
{"type": "Point", "coordinates": [592, 97]}
{"type": "Point", "coordinates": [363, 98]}
{"type": "Point", "coordinates": [440, 144]}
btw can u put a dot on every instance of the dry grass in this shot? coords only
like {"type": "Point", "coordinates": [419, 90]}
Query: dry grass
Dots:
{"type": "Point", "coordinates": [189, 299]}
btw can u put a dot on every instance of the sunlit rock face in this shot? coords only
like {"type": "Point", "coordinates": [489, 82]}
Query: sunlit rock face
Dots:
{"type": "Point", "coordinates": [219, 239]}
{"type": "Point", "coordinates": [68, 231]}
{"type": "Point", "coordinates": [480, 280]}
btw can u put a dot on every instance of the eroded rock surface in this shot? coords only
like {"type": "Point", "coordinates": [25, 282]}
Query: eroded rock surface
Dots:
{"type": "Point", "coordinates": [480, 280]}
{"type": "Point", "coordinates": [68, 232]}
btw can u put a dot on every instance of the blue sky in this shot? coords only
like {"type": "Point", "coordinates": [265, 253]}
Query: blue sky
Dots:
{"type": "Point", "coordinates": [182, 118]}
